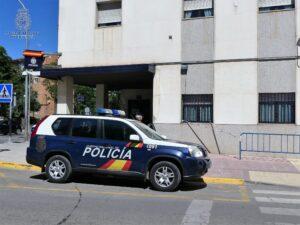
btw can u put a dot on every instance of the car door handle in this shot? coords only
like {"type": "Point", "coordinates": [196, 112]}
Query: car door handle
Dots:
{"type": "Point", "coordinates": [71, 142]}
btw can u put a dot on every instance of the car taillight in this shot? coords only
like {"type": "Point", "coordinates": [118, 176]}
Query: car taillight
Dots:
{"type": "Point", "coordinates": [33, 133]}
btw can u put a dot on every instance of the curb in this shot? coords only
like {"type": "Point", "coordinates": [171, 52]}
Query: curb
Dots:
{"type": "Point", "coordinates": [18, 166]}
{"type": "Point", "coordinates": [208, 180]}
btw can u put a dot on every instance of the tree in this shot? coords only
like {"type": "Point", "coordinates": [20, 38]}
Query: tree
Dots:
{"type": "Point", "coordinates": [84, 97]}
{"type": "Point", "coordinates": [10, 72]}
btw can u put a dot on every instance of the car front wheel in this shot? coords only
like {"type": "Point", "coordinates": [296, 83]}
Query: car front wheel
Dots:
{"type": "Point", "coordinates": [58, 169]}
{"type": "Point", "coordinates": [165, 176]}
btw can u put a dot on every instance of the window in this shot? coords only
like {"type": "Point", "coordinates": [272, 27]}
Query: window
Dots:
{"type": "Point", "coordinates": [147, 131]}
{"type": "Point", "coordinates": [61, 126]}
{"type": "Point", "coordinates": [198, 108]}
{"type": "Point", "coordinates": [269, 5]}
{"type": "Point", "coordinates": [116, 130]}
{"type": "Point", "coordinates": [84, 128]}
{"type": "Point", "coordinates": [277, 108]}
{"type": "Point", "coordinates": [198, 8]}
{"type": "Point", "coordinates": [109, 13]}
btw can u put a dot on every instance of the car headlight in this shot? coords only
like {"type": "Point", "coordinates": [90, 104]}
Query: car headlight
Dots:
{"type": "Point", "coordinates": [195, 152]}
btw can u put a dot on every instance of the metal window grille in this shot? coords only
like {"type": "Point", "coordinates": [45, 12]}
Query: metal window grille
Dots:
{"type": "Point", "coordinates": [198, 108]}
{"type": "Point", "coordinates": [267, 5]}
{"type": "Point", "coordinates": [277, 108]}
{"type": "Point", "coordinates": [109, 13]}
{"type": "Point", "coordinates": [198, 8]}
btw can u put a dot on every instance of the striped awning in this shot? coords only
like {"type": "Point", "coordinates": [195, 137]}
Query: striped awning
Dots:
{"type": "Point", "coordinates": [197, 4]}
{"type": "Point", "coordinates": [272, 3]}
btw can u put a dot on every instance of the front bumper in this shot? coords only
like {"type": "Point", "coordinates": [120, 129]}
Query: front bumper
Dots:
{"type": "Point", "coordinates": [196, 168]}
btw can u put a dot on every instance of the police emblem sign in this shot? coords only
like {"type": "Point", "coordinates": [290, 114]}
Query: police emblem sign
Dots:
{"type": "Point", "coordinates": [33, 60]}
{"type": "Point", "coordinates": [6, 93]}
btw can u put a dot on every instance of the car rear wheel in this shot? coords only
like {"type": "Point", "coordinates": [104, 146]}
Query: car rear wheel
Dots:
{"type": "Point", "coordinates": [165, 176]}
{"type": "Point", "coordinates": [58, 169]}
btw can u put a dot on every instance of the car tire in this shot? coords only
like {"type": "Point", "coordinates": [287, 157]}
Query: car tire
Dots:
{"type": "Point", "coordinates": [165, 176]}
{"type": "Point", "coordinates": [58, 169]}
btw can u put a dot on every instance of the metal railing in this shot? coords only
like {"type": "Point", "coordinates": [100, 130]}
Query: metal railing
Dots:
{"type": "Point", "coordinates": [269, 143]}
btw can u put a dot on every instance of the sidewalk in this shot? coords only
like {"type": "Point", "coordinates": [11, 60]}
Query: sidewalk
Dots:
{"type": "Point", "coordinates": [266, 170]}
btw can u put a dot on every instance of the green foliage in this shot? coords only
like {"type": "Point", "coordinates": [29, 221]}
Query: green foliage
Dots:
{"type": "Point", "coordinates": [51, 87]}
{"type": "Point", "coordinates": [114, 100]}
{"type": "Point", "coordinates": [88, 99]}
{"type": "Point", "coordinates": [10, 72]}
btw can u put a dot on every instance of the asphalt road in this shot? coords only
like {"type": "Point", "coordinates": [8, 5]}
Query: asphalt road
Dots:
{"type": "Point", "coordinates": [27, 198]}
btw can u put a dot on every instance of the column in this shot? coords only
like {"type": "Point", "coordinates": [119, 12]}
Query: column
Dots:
{"type": "Point", "coordinates": [100, 95]}
{"type": "Point", "coordinates": [235, 82]}
{"type": "Point", "coordinates": [65, 96]}
{"type": "Point", "coordinates": [167, 94]}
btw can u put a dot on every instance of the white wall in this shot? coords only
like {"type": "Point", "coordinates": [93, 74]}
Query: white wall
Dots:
{"type": "Point", "coordinates": [235, 83]}
{"type": "Point", "coordinates": [167, 94]}
{"type": "Point", "coordinates": [297, 2]}
{"type": "Point", "coordinates": [142, 38]}
{"type": "Point", "coordinates": [235, 29]}
{"type": "Point", "coordinates": [235, 96]}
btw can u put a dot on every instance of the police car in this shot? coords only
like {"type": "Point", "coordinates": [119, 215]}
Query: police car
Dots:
{"type": "Point", "coordinates": [64, 144]}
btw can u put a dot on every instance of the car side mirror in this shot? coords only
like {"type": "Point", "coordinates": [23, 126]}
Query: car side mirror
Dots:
{"type": "Point", "coordinates": [164, 137]}
{"type": "Point", "coordinates": [134, 138]}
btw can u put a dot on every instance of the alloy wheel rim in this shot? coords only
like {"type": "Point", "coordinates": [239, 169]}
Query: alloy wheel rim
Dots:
{"type": "Point", "coordinates": [57, 169]}
{"type": "Point", "coordinates": [164, 176]}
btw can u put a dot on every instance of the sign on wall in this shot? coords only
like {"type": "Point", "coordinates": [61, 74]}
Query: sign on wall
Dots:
{"type": "Point", "coordinates": [33, 60]}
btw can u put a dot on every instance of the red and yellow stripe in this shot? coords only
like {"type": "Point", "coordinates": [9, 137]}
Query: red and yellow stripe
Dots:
{"type": "Point", "coordinates": [134, 145]}
{"type": "Point", "coordinates": [117, 165]}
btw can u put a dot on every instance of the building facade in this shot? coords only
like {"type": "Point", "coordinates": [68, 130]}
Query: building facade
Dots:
{"type": "Point", "coordinates": [227, 65]}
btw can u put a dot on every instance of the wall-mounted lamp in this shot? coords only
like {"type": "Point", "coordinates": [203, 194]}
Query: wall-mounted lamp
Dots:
{"type": "Point", "coordinates": [184, 69]}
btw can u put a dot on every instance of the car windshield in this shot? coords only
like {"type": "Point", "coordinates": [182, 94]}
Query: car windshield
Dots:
{"type": "Point", "coordinates": [147, 131]}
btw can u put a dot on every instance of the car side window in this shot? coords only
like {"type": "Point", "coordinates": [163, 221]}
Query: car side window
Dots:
{"type": "Point", "coordinates": [84, 128]}
{"type": "Point", "coordinates": [117, 130]}
{"type": "Point", "coordinates": [61, 126]}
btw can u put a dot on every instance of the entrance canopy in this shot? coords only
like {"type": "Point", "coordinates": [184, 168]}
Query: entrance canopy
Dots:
{"type": "Point", "coordinates": [115, 77]}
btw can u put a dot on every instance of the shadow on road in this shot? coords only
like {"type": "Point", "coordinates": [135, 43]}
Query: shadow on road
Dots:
{"type": "Point", "coordinates": [95, 179]}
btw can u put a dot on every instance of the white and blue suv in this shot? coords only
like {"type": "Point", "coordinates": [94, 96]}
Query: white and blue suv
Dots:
{"type": "Point", "coordinates": [63, 144]}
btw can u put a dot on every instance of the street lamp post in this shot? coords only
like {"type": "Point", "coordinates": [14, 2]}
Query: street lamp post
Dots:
{"type": "Point", "coordinates": [27, 77]}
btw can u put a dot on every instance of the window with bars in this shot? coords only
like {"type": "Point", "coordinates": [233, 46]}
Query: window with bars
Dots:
{"type": "Point", "coordinates": [109, 13]}
{"type": "Point", "coordinates": [277, 108]}
{"type": "Point", "coordinates": [269, 5]}
{"type": "Point", "coordinates": [198, 108]}
{"type": "Point", "coordinates": [198, 8]}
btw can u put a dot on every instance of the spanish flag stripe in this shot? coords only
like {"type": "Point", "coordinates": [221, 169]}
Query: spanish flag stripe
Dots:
{"type": "Point", "coordinates": [108, 164]}
{"type": "Point", "coordinates": [127, 165]}
{"type": "Point", "coordinates": [117, 165]}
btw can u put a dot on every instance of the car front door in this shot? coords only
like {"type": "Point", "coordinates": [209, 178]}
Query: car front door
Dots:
{"type": "Point", "coordinates": [119, 153]}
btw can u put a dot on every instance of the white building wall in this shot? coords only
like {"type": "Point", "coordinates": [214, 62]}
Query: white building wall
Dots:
{"type": "Point", "coordinates": [297, 8]}
{"type": "Point", "coordinates": [235, 83]}
{"type": "Point", "coordinates": [167, 94]}
{"type": "Point", "coordinates": [150, 33]}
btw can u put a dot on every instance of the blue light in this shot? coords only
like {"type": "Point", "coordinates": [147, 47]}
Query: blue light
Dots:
{"type": "Point", "coordinates": [110, 112]}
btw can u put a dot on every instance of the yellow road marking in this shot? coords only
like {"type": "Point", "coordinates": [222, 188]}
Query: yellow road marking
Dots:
{"type": "Point", "coordinates": [219, 180]}
{"type": "Point", "coordinates": [242, 200]}
{"type": "Point", "coordinates": [208, 180]}
{"type": "Point", "coordinates": [17, 166]}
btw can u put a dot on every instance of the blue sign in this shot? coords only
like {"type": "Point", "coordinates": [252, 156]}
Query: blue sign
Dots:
{"type": "Point", "coordinates": [6, 93]}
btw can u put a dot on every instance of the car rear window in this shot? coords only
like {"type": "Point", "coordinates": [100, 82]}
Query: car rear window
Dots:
{"type": "Point", "coordinates": [61, 126]}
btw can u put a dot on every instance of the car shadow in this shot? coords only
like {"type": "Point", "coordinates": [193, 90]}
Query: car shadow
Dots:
{"type": "Point", "coordinates": [107, 180]}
